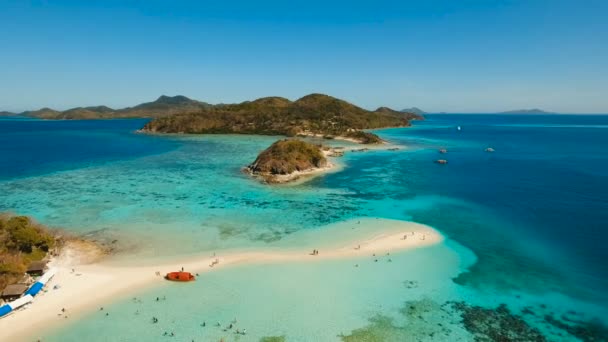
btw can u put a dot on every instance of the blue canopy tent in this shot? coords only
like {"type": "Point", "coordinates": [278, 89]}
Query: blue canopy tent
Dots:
{"type": "Point", "coordinates": [5, 309]}
{"type": "Point", "coordinates": [34, 289]}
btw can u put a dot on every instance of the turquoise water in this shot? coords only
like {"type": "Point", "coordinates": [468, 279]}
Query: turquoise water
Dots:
{"type": "Point", "coordinates": [302, 301]}
{"type": "Point", "coordinates": [533, 213]}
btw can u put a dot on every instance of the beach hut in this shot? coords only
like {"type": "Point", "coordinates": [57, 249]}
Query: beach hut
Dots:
{"type": "Point", "coordinates": [13, 292]}
{"type": "Point", "coordinates": [36, 268]}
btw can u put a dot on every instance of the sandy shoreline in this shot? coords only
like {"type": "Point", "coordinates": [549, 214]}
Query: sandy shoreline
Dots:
{"type": "Point", "coordinates": [85, 288]}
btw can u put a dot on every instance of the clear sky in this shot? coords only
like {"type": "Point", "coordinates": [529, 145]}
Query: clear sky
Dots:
{"type": "Point", "coordinates": [444, 55]}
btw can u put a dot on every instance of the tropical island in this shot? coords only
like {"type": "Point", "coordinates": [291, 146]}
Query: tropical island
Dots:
{"type": "Point", "coordinates": [314, 115]}
{"type": "Point", "coordinates": [414, 110]}
{"type": "Point", "coordinates": [166, 106]}
{"type": "Point", "coordinates": [288, 159]}
{"type": "Point", "coordinates": [527, 111]}
{"type": "Point", "coordinates": [311, 115]}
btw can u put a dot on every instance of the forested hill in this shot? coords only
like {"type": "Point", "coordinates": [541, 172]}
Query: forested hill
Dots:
{"type": "Point", "coordinates": [312, 114]}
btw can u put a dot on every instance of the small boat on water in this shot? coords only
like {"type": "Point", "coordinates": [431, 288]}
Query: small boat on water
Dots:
{"type": "Point", "coordinates": [458, 128]}
{"type": "Point", "coordinates": [180, 276]}
{"type": "Point", "coordinates": [441, 161]}
{"type": "Point", "coordinates": [443, 150]}
{"type": "Point", "coordinates": [489, 149]}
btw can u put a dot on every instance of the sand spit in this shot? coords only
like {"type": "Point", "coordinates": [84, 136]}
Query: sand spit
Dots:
{"type": "Point", "coordinates": [79, 287]}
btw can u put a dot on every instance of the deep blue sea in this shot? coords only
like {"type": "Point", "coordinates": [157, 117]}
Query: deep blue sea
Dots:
{"type": "Point", "coordinates": [546, 184]}
{"type": "Point", "coordinates": [534, 212]}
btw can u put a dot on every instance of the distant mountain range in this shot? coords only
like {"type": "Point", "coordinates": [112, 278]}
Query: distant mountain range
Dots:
{"type": "Point", "coordinates": [526, 111]}
{"type": "Point", "coordinates": [166, 106]}
{"type": "Point", "coordinates": [414, 110]}
{"type": "Point", "coordinates": [163, 106]}
{"type": "Point", "coordinates": [170, 105]}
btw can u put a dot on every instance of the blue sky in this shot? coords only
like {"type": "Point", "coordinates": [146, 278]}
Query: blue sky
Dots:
{"type": "Point", "coordinates": [450, 55]}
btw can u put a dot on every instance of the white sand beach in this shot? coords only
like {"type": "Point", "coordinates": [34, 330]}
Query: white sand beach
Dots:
{"type": "Point", "coordinates": [86, 287]}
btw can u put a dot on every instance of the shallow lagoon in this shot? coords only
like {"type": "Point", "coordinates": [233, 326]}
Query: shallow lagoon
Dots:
{"type": "Point", "coordinates": [302, 301]}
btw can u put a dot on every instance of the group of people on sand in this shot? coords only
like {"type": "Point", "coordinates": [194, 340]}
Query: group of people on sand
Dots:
{"type": "Point", "coordinates": [214, 262]}
{"type": "Point", "coordinates": [315, 252]}
{"type": "Point", "coordinates": [412, 234]}
{"type": "Point", "coordinates": [63, 313]}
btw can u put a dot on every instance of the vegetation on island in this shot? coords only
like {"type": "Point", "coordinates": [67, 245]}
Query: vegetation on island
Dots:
{"type": "Point", "coordinates": [21, 242]}
{"type": "Point", "coordinates": [314, 114]}
{"type": "Point", "coordinates": [363, 137]}
{"type": "Point", "coordinates": [287, 156]}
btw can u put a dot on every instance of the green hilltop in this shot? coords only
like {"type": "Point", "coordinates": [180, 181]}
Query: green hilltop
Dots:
{"type": "Point", "coordinates": [314, 114]}
{"type": "Point", "coordinates": [286, 156]}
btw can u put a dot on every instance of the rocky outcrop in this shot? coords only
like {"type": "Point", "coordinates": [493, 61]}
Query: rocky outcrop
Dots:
{"type": "Point", "coordinates": [287, 160]}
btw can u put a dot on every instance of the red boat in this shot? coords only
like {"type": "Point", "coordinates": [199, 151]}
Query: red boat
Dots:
{"type": "Point", "coordinates": [180, 276]}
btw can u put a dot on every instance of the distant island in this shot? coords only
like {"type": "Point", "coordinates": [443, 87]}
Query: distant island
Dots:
{"type": "Point", "coordinates": [4, 113]}
{"type": "Point", "coordinates": [163, 106]}
{"type": "Point", "coordinates": [312, 115]}
{"type": "Point", "coordinates": [288, 159]}
{"type": "Point", "coordinates": [526, 111]}
{"type": "Point", "coordinates": [414, 110]}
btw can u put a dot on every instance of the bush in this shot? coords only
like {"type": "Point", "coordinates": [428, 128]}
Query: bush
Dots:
{"type": "Point", "coordinates": [21, 242]}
